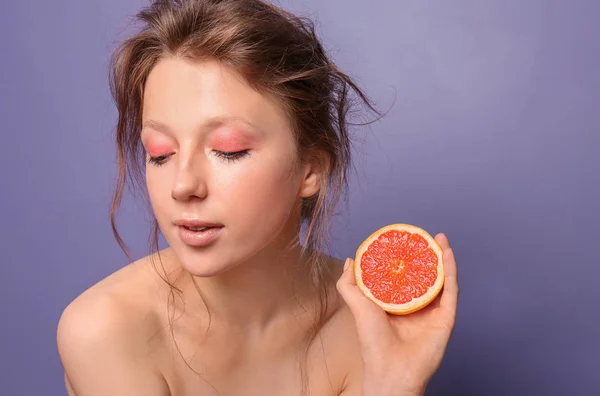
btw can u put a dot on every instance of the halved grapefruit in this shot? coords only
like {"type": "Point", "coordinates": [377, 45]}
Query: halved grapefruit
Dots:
{"type": "Point", "coordinates": [400, 268]}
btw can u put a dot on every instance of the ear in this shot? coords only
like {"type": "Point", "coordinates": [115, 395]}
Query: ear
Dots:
{"type": "Point", "coordinates": [314, 171]}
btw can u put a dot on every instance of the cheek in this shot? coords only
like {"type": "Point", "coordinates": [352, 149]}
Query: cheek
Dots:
{"type": "Point", "coordinates": [265, 193]}
{"type": "Point", "coordinates": [158, 187]}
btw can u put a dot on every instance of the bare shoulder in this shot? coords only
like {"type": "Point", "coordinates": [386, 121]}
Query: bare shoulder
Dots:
{"type": "Point", "coordinates": [105, 336]}
{"type": "Point", "coordinates": [341, 344]}
{"type": "Point", "coordinates": [343, 353]}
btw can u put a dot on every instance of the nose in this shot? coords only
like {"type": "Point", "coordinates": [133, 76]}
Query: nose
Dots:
{"type": "Point", "coordinates": [189, 182]}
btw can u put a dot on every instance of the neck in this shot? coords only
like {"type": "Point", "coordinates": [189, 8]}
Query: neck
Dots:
{"type": "Point", "coordinates": [273, 284]}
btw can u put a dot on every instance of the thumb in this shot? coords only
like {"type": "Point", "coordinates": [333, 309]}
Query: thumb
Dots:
{"type": "Point", "coordinates": [366, 313]}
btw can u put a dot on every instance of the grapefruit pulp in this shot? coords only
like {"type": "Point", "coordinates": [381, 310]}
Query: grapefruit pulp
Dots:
{"type": "Point", "coordinates": [400, 268]}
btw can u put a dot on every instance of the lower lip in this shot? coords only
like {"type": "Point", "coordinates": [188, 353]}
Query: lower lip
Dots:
{"type": "Point", "coordinates": [199, 238]}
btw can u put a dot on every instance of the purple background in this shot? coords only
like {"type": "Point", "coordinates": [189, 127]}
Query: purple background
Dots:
{"type": "Point", "coordinates": [493, 138]}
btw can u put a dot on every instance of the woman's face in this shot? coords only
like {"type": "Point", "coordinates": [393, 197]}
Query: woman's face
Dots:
{"type": "Point", "coordinates": [221, 155]}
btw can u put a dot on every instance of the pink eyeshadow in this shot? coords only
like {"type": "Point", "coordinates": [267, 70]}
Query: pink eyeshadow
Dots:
{"type": "Point", "coordinates": [157, 147]}
{"type": "Point", "coordinates": [230, 140]}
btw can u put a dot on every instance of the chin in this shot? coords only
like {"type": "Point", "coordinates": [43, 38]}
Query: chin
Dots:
{"type": "Point", "coordinates": [202, 262]}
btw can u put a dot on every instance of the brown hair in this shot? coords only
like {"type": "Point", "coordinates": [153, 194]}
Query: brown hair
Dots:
{"type": "Point", "coordinates": [277, 53]}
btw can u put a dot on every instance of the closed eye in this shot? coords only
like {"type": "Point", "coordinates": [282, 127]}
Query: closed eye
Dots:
{"type": "Point", "coordinates": [231, 156]}
{"type": "Point", "coordinates": [158, 161]}
{"type": "Point", "coordinates": [226, 155]}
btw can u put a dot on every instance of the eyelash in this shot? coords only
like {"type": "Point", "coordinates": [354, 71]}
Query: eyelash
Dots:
{"type": "Point", "coordinates": [227, 156]}
{"type": "Point", "coordinates": [158, 161]}
{"type": "Point", "coordinates": [231, 156]}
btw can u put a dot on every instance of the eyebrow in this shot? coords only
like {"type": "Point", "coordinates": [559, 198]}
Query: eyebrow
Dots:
{"type": "Point", "coordinates": [208, 125]}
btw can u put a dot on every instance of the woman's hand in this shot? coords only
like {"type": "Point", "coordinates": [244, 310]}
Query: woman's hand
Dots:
{"type": "Point", "coordinates": [401, 353]}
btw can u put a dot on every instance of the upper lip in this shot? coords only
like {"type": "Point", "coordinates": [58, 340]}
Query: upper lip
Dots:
{"type": "Point", "coordinates": [196, 223]}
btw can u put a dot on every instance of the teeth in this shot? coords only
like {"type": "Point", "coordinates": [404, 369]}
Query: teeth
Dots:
{"type": "Point", "coordinates": [197, 229]}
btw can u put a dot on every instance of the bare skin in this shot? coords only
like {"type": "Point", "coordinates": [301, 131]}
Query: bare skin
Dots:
{"type": "Point", "coordinates": [115, 339]}
{"type": "Point", "coordinates": [122, 321]}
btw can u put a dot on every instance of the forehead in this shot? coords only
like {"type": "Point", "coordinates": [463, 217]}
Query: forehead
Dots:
{"type": "Point", "coordinates": [182, 94]}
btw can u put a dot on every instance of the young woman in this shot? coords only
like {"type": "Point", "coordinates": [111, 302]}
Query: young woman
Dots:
{"type": "Point", "coordinates": [238, 121]}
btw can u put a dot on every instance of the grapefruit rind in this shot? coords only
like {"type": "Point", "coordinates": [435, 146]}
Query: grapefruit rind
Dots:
{"type": "Point", "coordinates": [416, 303]}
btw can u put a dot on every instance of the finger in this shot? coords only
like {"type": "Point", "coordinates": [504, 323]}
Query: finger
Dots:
{"type": "Point", "coordinates": [365, 312]}
{"type": "Point", "coordinates": [442, 240]}
{"type": "Point", "coordinates": [449, 298]}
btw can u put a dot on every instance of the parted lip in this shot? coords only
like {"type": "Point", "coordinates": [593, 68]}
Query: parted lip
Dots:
{"type": "Point", "coordinates": [196, 223]}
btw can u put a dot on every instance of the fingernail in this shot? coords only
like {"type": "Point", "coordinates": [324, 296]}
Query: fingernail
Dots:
{"type": "Point", "coordinates": [346, 264]}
